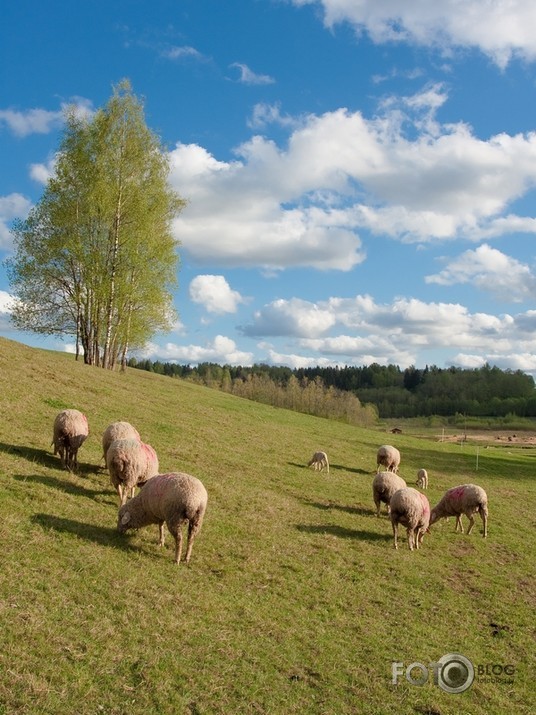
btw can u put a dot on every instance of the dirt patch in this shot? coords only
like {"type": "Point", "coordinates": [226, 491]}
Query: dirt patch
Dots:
{"type": "Point", "coordinates": [502, 438]}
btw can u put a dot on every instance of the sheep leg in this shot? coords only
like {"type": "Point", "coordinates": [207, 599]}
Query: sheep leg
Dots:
{"type": "Point", "coordinates": [378, 506]}
{"type": "Point", "coordinates": [193, 528]}
{"type": "Point", "coordinates": [471, 523]}
{"type": "Point", "coordinates": [162, 533]}
{"type": "Point", "coordinates": [178, 543]}
{"type": "Point", "coordinates": [484, 516]}
{"type": "Point", "coordinates": [459, 523]}
{"type": "Point", "coordinates": [395, 534]}
{"type": "Point", "coordinates": [409, 532]}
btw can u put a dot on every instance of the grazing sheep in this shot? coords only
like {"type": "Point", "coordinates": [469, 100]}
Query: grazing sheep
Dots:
{"type": "Point", "coordinates": [384, 485]}
{"type": "Point", "coordinates": [411, 509]}
{"type": "Point", "coordinates": [465, 499]}
{"type": "Point", "coordinates": [71, 429]}
{"type": "Point", "coordinates": [130, 463]}
{"type": "Point", "coordinates": [388, 457]}
{"type": "Point", "coordinates": [319, 460]}
{"type": "Point", "coordinates": [118, 430]}
{"type": "Point", "coordinates": [173, 499]}
{"type": "Point", "coordinates": [422, 479]}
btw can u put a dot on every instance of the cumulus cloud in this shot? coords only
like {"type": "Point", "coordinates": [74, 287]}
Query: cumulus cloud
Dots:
{"type": "Point", "coordinates": [361, 331]}
{"type": "Point", "coordinates": [492, 271]}
{"type": "Point", "coordinates": [221, 350]}
{"type": "Point", "coordinates": [400, 174]}
{"type": "Point", "coordinates": [247, 76]}
{"type": "Point", "coordinates": [6, 301]}
{"type": "Point", "coordinates": [215, 294]}
{"type": "Point", "coordinates": [499, 29]}
{"type": "Point", "coordinates": [11, 207]}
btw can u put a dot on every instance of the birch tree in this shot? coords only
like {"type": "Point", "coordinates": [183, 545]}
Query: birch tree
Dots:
{"type": "Point", "coordinates": [96, 258]}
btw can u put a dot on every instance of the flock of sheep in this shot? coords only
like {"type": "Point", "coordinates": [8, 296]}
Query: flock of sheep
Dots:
{"type": "Point", "coordinates": [410, 507]}
{"type": "Point", "coordinates": [174, 499]}
{"type": "Point", "coordinates": [177, 498]}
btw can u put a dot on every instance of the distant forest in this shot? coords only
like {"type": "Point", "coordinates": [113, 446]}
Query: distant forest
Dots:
{"type": "Point", "coordinates": [386, 391]}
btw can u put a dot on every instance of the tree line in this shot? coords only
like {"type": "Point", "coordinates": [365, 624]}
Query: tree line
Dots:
{"type": "Point", "coordinates": [376, 390]}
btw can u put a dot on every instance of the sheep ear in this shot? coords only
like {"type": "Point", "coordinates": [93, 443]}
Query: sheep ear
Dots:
{"type": "Point", "coordinates": [125, 518]}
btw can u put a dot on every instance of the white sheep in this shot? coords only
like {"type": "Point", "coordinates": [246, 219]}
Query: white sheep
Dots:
{"type": "Point", "coordinates": [411, 509]}
{"type": "Point", "coordinates": [318, 461]}
{"type": "Point", "coordinates": [384, 485]}
{"type": "Point", "coordinates": [388, 457]}
{"type": "Point", "coordinates": [465, 499]}
{"type": "Point", "coordinates": [130, 463]}
{"type": "Point", "coordinates": [118, 430]}
{"type": "Point", "coordinates": [174, 499]}
{"type": "Point", "coordinates": [70, 431]}
{"type": "Point", "coordinates": [422, 479]}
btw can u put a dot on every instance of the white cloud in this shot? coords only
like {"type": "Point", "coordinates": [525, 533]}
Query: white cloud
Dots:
{"type": "Point", "coordinates": [11, 207]}
{"type": "Point", "coordinates": [182, 52]}
{"type": "Point", "coordinates": [42, 121]}
{"type": "Point", "coordinates": [500, 29]}
{"type": "Point", "coordinates": [400, 174]}
{"type": "Point", "coordinates": [360, 331]}
{"type": "Point", "coordinates": [295, 317]}
{"type": "Point", "coordinates": [265, 114]}
{"type": "Point", "coordinates": [221, 350]}
{"type": "Point", "coordinates": [215, 294]}
{"type": "Point", "coordinates": [247, 76]}
{"type": "Point", "coordinates": [492, 271]}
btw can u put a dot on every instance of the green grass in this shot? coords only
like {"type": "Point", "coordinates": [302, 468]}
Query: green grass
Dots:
{"type": "Point", "coordinates": [295, 600]}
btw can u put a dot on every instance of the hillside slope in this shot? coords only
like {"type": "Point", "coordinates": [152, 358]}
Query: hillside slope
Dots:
{"type": "Point", "coordinates": [295, 600]}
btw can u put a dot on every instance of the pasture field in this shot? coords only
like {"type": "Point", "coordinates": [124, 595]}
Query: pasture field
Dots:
{"type": "Point", "coordinates": [295, 600]}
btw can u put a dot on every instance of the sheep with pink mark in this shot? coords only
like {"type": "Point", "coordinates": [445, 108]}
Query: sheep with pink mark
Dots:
{"type": "Point", "coordinates": [467, 499]}
{"type": "Point", "coordinates": [70, 431]}
{"type": "Point", "coordinates": [174, 499]}
{"type": "Point", "coordinates": [411, 509]}
{"type": "Point", "coordinates": [118, 430]}
{"type": "Point", "coordinates": [131, 463]}
{"type": "Point", "coordinates": [384, 485]}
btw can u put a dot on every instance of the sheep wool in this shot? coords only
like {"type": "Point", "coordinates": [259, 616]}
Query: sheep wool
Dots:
{"type": "Point", "coordinates": [388, 457]}
{"type": "Point", "coordinates": [465, 499]}
{"type": "Point", "coordinates": [70, 431]}
{"type": "Point", "coordinates": [318, 461]}
{"type": "Point", "coordinates": [384, 485]}
{"type": "Point", "coordinates": [411, 509]}
{"type": "Point", "coordinates": [130, 463]}
{"type": "Point", "coordinates": [118, 430]}
{"type": "Point", "coordinates": [175, 499]}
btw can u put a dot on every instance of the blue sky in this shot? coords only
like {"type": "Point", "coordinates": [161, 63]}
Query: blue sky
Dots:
{"type": "Point", "coordinates": [360, 174]}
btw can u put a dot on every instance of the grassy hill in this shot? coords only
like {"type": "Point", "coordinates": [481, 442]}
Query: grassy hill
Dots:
{"type": "Point", "coordinates": [295, 600]}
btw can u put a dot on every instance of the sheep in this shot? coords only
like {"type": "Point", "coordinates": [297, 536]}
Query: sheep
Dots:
{"type": "Point", "coordinates": [411, 509]}
{"type": "Point", "coordinates": [71, 429]}
{"type": "Point", "coordinates": [384, 485]}
{"type": "Point", "coordinates": [465, 499]}
{"type": "Point", "coordinates": [130, 463]}
{"type": "Point", "coordinates": [319, 460]}
{"type": "Point", "coordinates": [388, 457]}
{"type": "Point", "coordinates": [118, 430]}
{"type": "Point", "coordinates": [422, 479]}
{"type": "Point", "coordinates": [174, 499]}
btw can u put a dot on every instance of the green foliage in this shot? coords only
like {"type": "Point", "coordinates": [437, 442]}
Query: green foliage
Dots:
{"type": "Point", "coordinates": [295, 601]}
{"type": "Point", "coordinates": [482, 392]}
{"type": "Point", "coordinates": [96, 258]}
